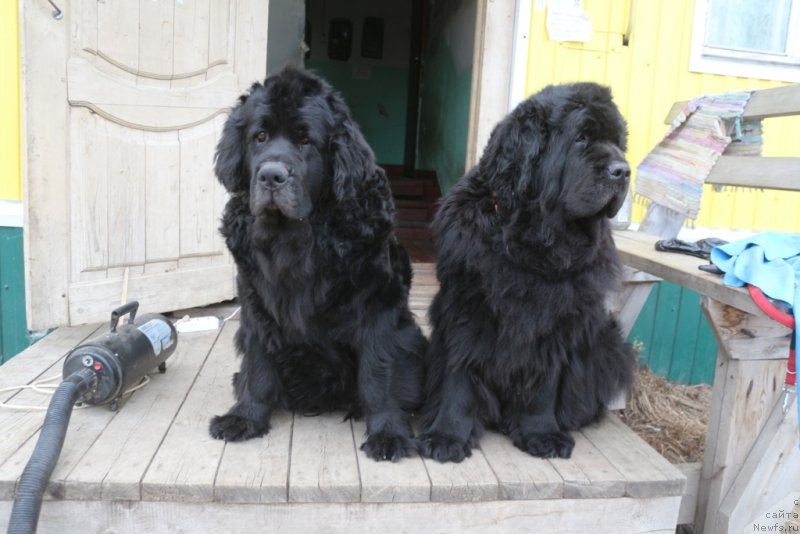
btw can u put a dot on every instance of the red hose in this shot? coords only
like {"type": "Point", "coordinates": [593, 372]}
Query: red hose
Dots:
{"type": "Point", "coordinates": [786, 320]}
{"type": "Point", "coordinates": [767, 307]}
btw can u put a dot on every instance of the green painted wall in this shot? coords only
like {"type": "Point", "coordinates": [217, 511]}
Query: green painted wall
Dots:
{"type": "Point", "coordinates": [378, 104]}
{"type": "Point", "coordinates": [375, 89]}
{"type": "Point", "coordinates": [13, 330]}
{"type": "Point", "coordinates": [446, 82]}
{"type": "Point", "coordinates": [677, 341]}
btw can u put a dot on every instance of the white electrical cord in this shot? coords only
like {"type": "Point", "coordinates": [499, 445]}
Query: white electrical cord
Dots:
{"type": "Point", "coordinates": [231, 316]}
{"type": "Point", "coordinates": [42, 386]}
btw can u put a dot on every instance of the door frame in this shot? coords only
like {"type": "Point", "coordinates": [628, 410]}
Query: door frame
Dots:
{"type": "Point", "coordinates": [500, 68]}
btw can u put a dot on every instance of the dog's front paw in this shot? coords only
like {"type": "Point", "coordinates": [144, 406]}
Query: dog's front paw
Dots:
{"type": "Point", "coordinates": [548, 444]}
{"type": "Point", "coordinates": [443, 448]}
{"type": "Point", "coordinates": [387, 446]}
{"type": "Point", "coordinates": [231, 427]}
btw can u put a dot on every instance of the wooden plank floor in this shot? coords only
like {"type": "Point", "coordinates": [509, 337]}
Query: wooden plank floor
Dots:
{"type": "Point", "coordinates": [156, 447]}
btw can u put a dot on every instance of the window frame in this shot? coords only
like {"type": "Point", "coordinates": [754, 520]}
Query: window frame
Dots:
{"type": "Point", "coordinates": [762, 65]}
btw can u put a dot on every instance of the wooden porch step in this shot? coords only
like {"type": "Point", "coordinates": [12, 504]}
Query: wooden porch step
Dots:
{"type": "Point", "coordinates": [152, 463]}
{"type": "Point", "coordinates": [420, 250]}
{"type": "Point", "coordinates": [415, 199]}
{"type": "Point", "coordinates": [407, 187]}
{"type": "Point", "coordinates": [414, 210]}
{"type": "Point", "coordinates": [413, 230]}
{"type": "Point", "coordinates": [414, 214]}
{"type": "Point", "coordinates": [412, 203]}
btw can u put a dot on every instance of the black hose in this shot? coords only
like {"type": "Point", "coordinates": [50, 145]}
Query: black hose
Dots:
{"type": "Point", "coordinates": [28, 502]}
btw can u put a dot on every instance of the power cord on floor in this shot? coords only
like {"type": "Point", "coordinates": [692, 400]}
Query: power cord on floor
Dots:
{"type": "Point", "coordinates": [232, 315]}
{"type": "Point", "coordinates": [45, 388]}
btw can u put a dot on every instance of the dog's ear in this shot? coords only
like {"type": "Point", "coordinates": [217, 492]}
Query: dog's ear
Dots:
{"type": "Point", "coordinates": [511, 155]}
{"type": "Point", "coordinates": [351, 158]}
{"type": "Point", "coordinates": [229, 161]}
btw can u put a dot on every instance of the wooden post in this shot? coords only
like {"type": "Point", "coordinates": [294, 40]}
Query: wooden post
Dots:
{"type": "Point", "coordinates": [630, 299]}
{"type": "Point", "coordinates": [626, 304]}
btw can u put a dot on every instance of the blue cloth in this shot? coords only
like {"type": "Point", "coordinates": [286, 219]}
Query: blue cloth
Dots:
{"type": "Point", "coordinates": [771, 262]}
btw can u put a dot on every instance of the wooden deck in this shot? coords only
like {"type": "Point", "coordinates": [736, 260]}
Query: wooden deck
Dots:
{"type": "Point", "coordinates": [152, 466]}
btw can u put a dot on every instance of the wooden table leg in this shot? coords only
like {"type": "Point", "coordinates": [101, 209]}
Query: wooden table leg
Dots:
{"type": "Point", "coordinates": [751, 362]}
{"type": "Point", "coordinates": [630, 299]}
{"type": "Point", "coordinates": [626, 305]}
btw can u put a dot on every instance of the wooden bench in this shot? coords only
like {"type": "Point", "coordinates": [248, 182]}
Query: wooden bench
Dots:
{"type": "Point", "coordinates": [151, 466]}
{"type": "Point", "coordinates": [751, 457]}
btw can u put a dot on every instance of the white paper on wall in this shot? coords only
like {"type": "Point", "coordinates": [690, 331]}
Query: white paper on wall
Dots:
{"type": "Point", "coordinates": [567, 21]}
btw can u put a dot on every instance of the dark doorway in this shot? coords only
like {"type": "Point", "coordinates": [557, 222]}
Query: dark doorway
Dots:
{"type": "Point", "coordinates": [404, 69]}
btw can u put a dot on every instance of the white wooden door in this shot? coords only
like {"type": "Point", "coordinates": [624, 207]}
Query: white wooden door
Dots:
{"type": "Point", "coordinates": [124, 101]}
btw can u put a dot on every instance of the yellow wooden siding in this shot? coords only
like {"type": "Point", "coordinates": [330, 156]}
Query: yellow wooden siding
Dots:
{"type": "Point", "coordinates": [647, 77]}
{"type": "Point", "coordinates": [10, 133]}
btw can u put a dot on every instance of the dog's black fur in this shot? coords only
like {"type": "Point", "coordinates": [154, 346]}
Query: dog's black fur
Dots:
{"type": "Point", "coordinates": [322, 281]}
{"type": "Point", "coordinates": [521, 339]}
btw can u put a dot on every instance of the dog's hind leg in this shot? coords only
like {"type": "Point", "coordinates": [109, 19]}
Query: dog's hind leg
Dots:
{"type": "Point", "coordinates": [409, 375]}
{"type": "Point", "coordinates": [450, 429]}
{"type": "Point", "coordinates": [605, 369]}
{"type": "Point", "coordinates": [462, 339]}
{"type": "Point", "coordinates": [385, 391]}
{"type": "Point", "coordinates": [534, 428]}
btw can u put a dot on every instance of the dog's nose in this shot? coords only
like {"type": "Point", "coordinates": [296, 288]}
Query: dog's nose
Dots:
{"type": "Point", "coordinates": [619, 170]}
{"type": "Point", "coordinates": [273, 174]}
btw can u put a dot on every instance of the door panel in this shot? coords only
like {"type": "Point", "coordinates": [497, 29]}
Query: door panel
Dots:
{"type": "Point", "coordinates": [126, 203]}
{"type": "Point", "coordinates": [88, 194]}
{"type": "Point", "coordinates": [198, 192]}
{"type": "Point", "coordinates": [162, 175]}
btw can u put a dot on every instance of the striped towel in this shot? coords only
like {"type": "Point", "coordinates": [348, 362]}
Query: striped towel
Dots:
{"type": "Point", "coordinates": [673, 173]}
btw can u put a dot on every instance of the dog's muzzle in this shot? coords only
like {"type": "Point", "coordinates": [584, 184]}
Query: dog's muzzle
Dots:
{"type": "Point", "coordinates": [275, 186]}
{"type": "Point", "coordinates": [274, 174]}
{"type": "Point", "coordinates": [619, 176]}
{"type": "Point", "coordinates": [619, 170]}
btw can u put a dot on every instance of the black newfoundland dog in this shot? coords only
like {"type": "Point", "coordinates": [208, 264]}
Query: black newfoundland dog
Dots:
{"type": "Point", "coordinates": [521, 339]}
{"type": "Point", "coordinates": [322, 281]}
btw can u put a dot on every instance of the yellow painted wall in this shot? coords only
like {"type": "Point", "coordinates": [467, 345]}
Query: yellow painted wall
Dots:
{"type": "Point", "coordinates": [646, 78]}
{"type": "Point", "coordinates": [10, 132]}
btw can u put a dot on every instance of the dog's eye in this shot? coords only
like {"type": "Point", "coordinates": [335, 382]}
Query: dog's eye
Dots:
{"type": "Point", "coordinates": [582, 139]}
{"type": "Point", "coordinates": [261, 136]}
{"type": "Point", "coordinates": [304, 140]}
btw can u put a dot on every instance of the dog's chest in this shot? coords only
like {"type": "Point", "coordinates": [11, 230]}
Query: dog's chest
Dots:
{"type": "Point", "coordinates": [293, 290]}
{"type": "Point", "coordinates": [530, 307]}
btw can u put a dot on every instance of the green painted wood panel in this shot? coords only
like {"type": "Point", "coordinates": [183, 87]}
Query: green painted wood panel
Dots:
{"type": "Point", "coordinates": [642, 331]}
{"type": "Point", "coordinates": [705, 361]}
{"type": "Point", "coordinates": [677, 342]}
{"type": "Point", "coordinates": [685, 341]}
{"type": "Point", "coordinates": [13, 330]}
{"type": "Point", "coordinates": [666, 321]}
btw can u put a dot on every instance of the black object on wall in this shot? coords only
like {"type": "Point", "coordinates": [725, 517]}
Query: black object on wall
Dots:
{"type": "Point", "coordinates": [340, 39]}
{"type": "Point", "coordinates": [372, 38]}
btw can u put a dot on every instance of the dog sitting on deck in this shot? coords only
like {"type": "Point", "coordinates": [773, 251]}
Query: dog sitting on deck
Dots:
{"type": "Point", "coordinates": [521, 339]}
{"type": "Point", "coordinates": [322, 281]}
